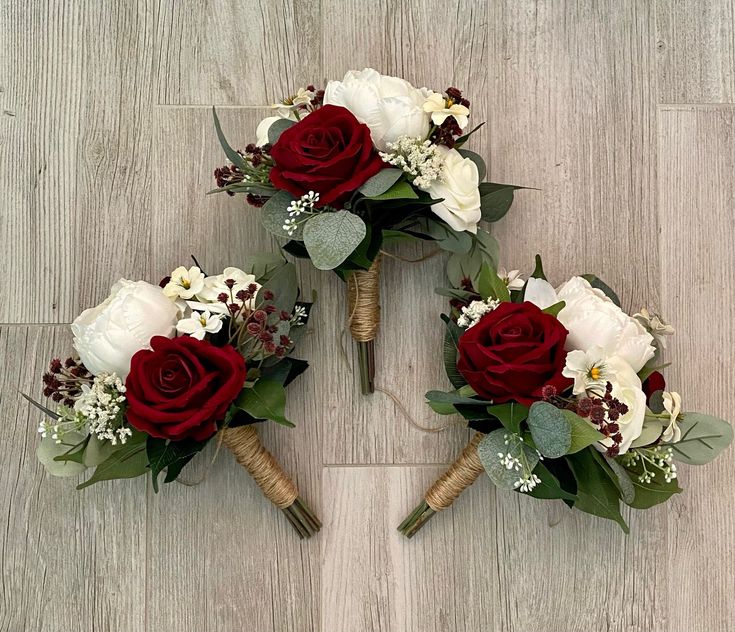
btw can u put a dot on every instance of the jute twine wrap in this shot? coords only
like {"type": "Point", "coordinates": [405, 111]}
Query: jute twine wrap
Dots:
{"type": "Point", "coordinates": [363, 296]}
{"type": "Point", "coordinates": [270, 477]}
{"type": "Point", "coordinates": [460, 475]}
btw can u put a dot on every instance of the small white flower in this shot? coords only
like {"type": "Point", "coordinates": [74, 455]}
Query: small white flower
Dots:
{"type": "Point", "coordinates": [199, 324]}
{"type": "Point", "coordinates": [589, 370]}
{"type": "Point", "coordinates": [298, 316]}
{"type": "Point", "coordinates": [297, 101]}
{"type": "Point", "coordinates": [512, 279]}
{"type": "Point", "coordinates": [441, 109]}
{"type": "Point", "coordinates": [527, 484]}
{"type": "Point", "coordinates": [472, 314]}
{"type": "Point", "coordinates": [184, 283]}
{"type": "Point", "coordinates": [416, 157]}
{"type": "Point", "coordinates": [655, 326]}
{"type": "Point", "coordinates": [672, 404]}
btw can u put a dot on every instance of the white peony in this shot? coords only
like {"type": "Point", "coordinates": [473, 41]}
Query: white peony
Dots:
{"type": "Point", "coordinates": [627, 389]}
{"type": "Point", "coordinates": [457, 186]}
{"type": "Point", "coordinates": [391, 107]}
{"type": "Point", "coordinates": [107, 336]}
{"type": "Point", "coordinates": [593, 320]}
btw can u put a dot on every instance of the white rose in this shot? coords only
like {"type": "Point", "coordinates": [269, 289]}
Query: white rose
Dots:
{"type": "Point", "coordinates": [107, 336]}
{"type": "Point", "coordinates": [458, 188]}
{"type": "Point", "coordinates": [593, 320]}
{"type": "Point", "coordinates": [627, 389]}
{"type": "Point", "coordinates": [389, 106]}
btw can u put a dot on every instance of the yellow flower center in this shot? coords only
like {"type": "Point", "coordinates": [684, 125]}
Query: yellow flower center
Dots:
{"type": "Point", "coordinates": [184, 283]}
{"type": "Point", "coordinates": [203, 321]}
{"type": "Point", "coordinates": [595, 373]}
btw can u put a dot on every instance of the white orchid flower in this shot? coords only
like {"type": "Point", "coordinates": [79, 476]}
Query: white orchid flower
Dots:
{"type": "Point", "coordinates": [441, 109]}
{"type": "Point", "coordinates": [200, 324]}
{"type": "Point", "coordinates": [589, 370]}
{"type": "Point", "coordinates": [184, 283]}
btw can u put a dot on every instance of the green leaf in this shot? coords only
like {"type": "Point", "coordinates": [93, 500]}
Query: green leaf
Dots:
{"type": "Point", "coordinates": [494, 443]}
{"type": "Point", "coordinates": [596, 493]}
{"type": "Point", "coordinates": [583, 434]}
{"type": "Point", "coordinates": [274, 214]}
{"type": "Point", "coordinates": [41, 407]}
{"type": "Point", "coordinates": [495, 200]}
{"type": "Point", "coordinates": [510, 415]}
{"type": "Point", "coordinates": [703, 437]}
{"type": "Point", "coordinates": [463, 139]}
{"type": "Point", "coordinates": [264, 265]}
{"type": "Point", "coordinates": [538, 271]}
{"type": "Point", "coordinates": [401, 190]}
{"type": "Point", "coordinates": [265, 400]}
{"type": "Point", "coordinates": [479, 162]}
{"type": "Point", "coordinates": [48, 450]}
{"type": "Point", "coordinates": [171, 456]}
{"type": "Point", "coordinates": [598, 283]}
{"type": "Point", "coordinates": [490, 285]}
{"type": "Point", "coordinates": [380, 182]}
{"type": "Point", "coordinates": [650, 494]}
{"type": "Point", "coordinates": [443, 403]}
{"type": "Point", "coordinates": [285, 287]}
{"type": "Point", "coordinates": [331, 237]}
{"type": "Point", "coordinates": [98, 451]}
{"type": "Point", "coordinates": [551, 431]}
{"type": "Point", "coordinates": [127, 462]}
{"type": "Point", "coordinates": [621, 478]}
{"type": "Point", "coordinates": [554, 309]}
{"type": "Point", "coordinates": [277, 128]}
{"type": "Point", "coordinates": [235, 158]}
{"type": "Point", "coordinates": [549, 488]}
{"type": "Point", "coordinates": [652, 429]}
{"type": "Point", "coordinates": [450, 351]}
{"type": "Point", "coordinates": [459, 242]}
{"type": "Point", "coordinates": [484, 250]}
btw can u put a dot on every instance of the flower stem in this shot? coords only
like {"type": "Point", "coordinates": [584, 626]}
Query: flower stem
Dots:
{"type": "Point", "coordinates": [416, 519]}
{"type": "Point", "coordinates": [302, 519]}
{"type": "Point", "coordinates": [366, 360]}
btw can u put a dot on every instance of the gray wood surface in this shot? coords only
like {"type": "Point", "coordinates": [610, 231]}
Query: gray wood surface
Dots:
{"type": "Point", "coordinates": [106, 152]}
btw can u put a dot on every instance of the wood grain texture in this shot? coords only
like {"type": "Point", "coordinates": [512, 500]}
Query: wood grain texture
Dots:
{"type": "Point", "coordinates": [73, 151]}
{"type": "Point", "coordinates": [236, 53]}
{"type": "Point", "coordinates": [696, 160]}
{"type": "Point", "coordinates": [70, 560]}
{"type": "Point", "coordinates": [696, 51]}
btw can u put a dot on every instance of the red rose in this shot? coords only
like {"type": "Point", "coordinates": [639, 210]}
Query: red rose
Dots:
{"type": "Point", "coordinates": [182, 387]}
{"type": "Point", "coordinates": [512, 353]}
{"type": "Point", "coordinates": [329, 152]}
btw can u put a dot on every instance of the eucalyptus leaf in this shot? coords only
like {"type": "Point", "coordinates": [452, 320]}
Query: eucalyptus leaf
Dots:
{"type": "Point", "coordinates": [583, 434]}
{"type": "Point", "coordinates": [380, 182]}
{"type": "Point", "coordinates": [494, 444]}
{"type": "Point", "coordinates": [265, 400]}
{"type": "Point", "coordinates": [652, 429]}
{"type": "Point", "coordinates": [550, 429]}
{"type": "Point", "coordinates": [277, 128]}
{"type": "Point", "coordinates": [484, 250]}
{"type": "Point", "coordinates": [596, 493]}
{"type": "Point", "coordinates": [401, 190]}
{"type": "Point", "coordinates": [703, 437]}
{"type": "Point", "coordinates": [285, 287]}
{"type": "Point", "coordinates": [459, 242]}
{"type": "Point", "coordinates": [235, 158]}
{"type": "Point", "coordinates": [331, 237]}
{"type": "Point", "coordinates": [48, 450]}
{"type": "Point", "coordinates": [274, 214]}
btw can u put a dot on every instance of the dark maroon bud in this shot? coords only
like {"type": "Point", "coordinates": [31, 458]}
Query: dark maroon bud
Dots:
{"type": "Point", "coordinates": [623, 408]}
{"type": "Point", "coordinates": [55, 365]}
{"type": "Point", "coordinates": [230, 283]}
{"type": "Point", "coordinates": [269, 347]}
{"type": "Point", "coordinates": [260, 316]}
{"type": "Point", "coordinates": [613, 451]}
{"type": "Point", "coordinates": [252, 288]}
{"type": "Point", "coordinates": [47, 378]}
{"type": "Point", "coordinates": [48, 391]}
{"type": "Point", "coordinates": [267, 295]}
{"type": "Point", "coordinates": [548, 391]}
{"type": "Point", "coordinates": [270, 309]}
{"type": "Point", "coordinates": [613, 414]}
{"type": "Point", "coordinates": [284, 316]}
{"type": "Point", "coordinates": [70, 362]}
{"type": "Point", "coordinates": [253, 329]}
{"type": "Point", "coordinates": [285, 341]}
{"type": "Point", "coordinates": [613, 428]}
{"type": "Point", "coordinates": [164, 281]}
{"type": "Point", "coordinates": [597, 414]}
{"type": "Point", "coordinates": [234, 308]}
{"type": "Point", "coordinates": [243, 295]}
{"type": "Point", "coordinates": [273, 328]}
{"type": "Point", "coordinates": [57, 397]}
{"type": "Point", "coordinates": [265, 336]}
{"type": "Point", "coordinates": [222, 297]}
{"type": "Point", "coordinates": [617, 438]}
{"type": "Point", "coordinates": [280, 352]}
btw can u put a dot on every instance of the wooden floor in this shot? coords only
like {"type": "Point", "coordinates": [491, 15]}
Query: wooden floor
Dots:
{"type": "Point", "coordinates": [620, 113]}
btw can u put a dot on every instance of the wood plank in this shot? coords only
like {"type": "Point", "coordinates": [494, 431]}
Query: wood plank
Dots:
{"type": "Point", "coordinates": [70, 560]}
{"type": "Point", "coordinates": [236, 53]}
{"type": "Point", "coordinates": [696, 162]}
{"type": "Point", "coordinates": [239, 548]}
{"type": "Point", "coordinates": [696, 44]}
{"type": "Point", "coordinates": [73, 153]}
{"type": "Point", "coordinates": [436, 45]}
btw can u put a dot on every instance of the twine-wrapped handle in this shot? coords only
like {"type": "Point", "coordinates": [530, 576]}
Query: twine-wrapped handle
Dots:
{"type": "Point", "coordinates": [275, 484]}
{"type": "Point", "coordinates": [447, 488]}
{"type": "Point", "coordinates": [363, 319]}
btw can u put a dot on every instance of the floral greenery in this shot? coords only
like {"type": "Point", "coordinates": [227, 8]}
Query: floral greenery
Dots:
{"type": "Point", "coordinates": [73, 440]}
{"type": "Point", "coordinates": [553, 448]}
{"type": "Point", "coordinates": [408, 199]}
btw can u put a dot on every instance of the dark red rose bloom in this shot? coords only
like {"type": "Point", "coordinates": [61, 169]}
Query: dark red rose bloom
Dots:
{"type": "Point", "coordinates": [654, 382]}
{"type": "Point", "coordinates": [329, 152]}
{"type": "Point", "coordinates": [512, 353]}
{"type": "Point", "coordinates": [182, 386]}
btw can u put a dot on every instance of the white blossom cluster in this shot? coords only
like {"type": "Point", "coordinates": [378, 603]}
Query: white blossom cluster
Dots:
{"type": "Point", "coordinates": [659, 458]}
{"type": "Point", "coordinates": [472, 314]}
{"type": "Point", "coordinates": [298, 316]}
{"type": "Point", "coordinates": [418, 158]}
{"type": "Point", "coordinates": [304, 205]}
{"type": "Point", "coordinates": [527, 480]}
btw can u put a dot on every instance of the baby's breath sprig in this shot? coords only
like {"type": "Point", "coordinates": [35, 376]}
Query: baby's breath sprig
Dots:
{"type": "Point", "coordinates": [654, 461]}
{"type": "Point", "coordinates": [418, 158]}
{"type": "Point", "coordinates": [305, 206]}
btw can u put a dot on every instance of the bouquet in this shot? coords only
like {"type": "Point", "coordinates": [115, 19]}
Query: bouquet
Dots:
{"type": "Point", "coordinates": [563, 390]}
{"type": "Point", "coordinates": [340, 172]}
{"type": "Point", "coordinates": [162, 371]}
